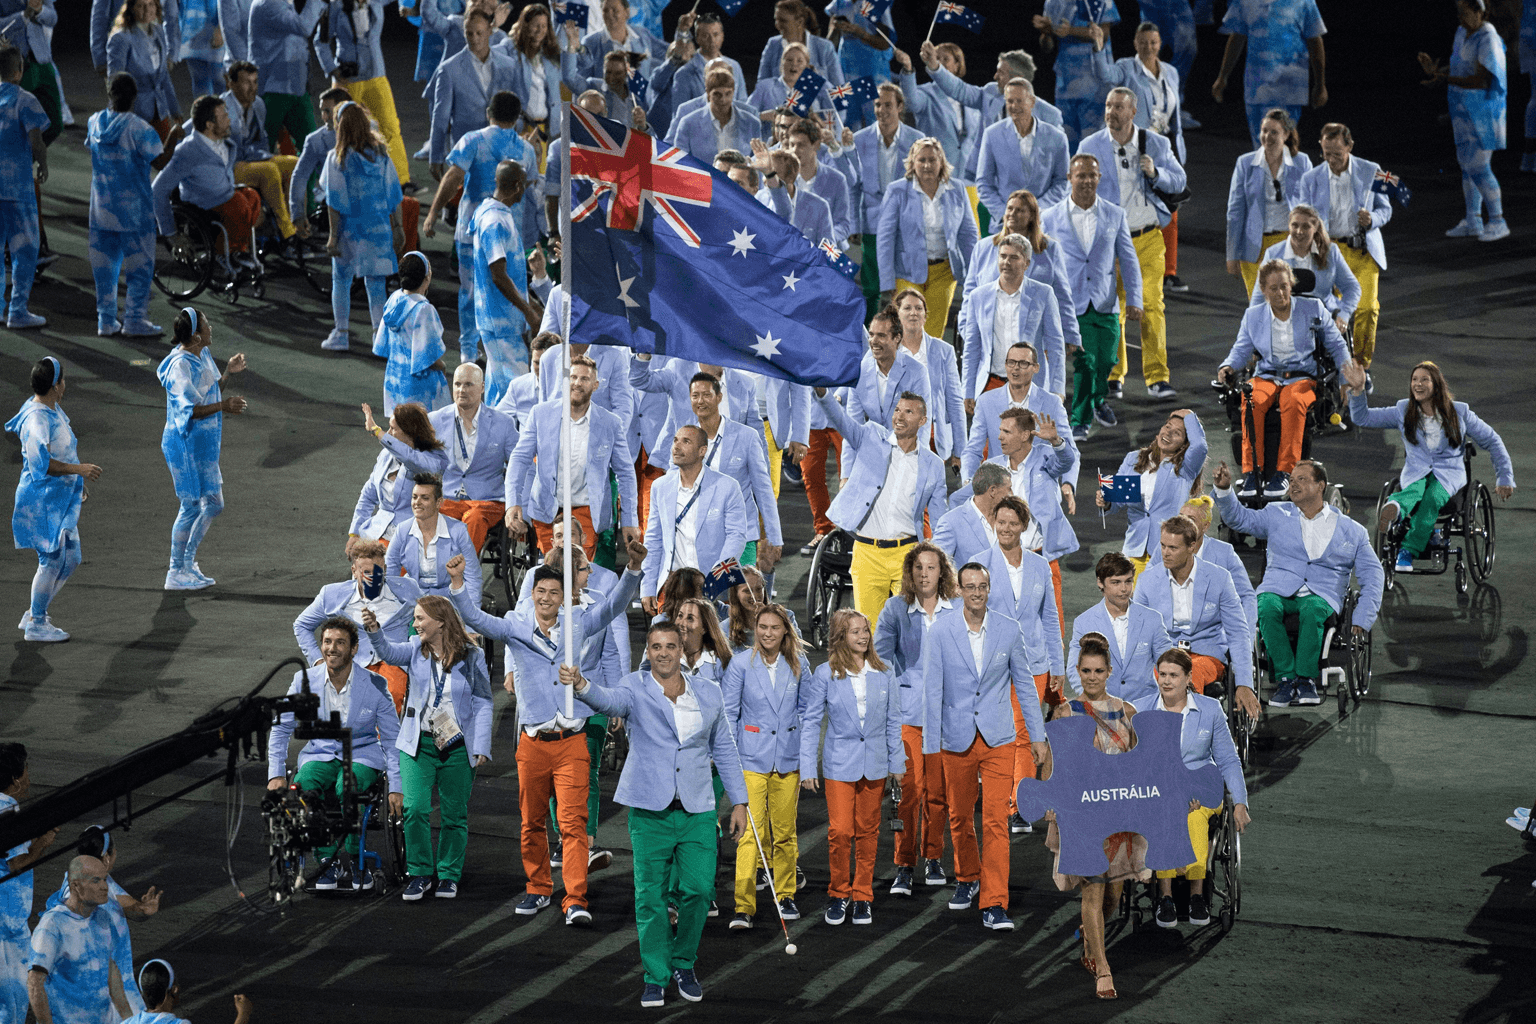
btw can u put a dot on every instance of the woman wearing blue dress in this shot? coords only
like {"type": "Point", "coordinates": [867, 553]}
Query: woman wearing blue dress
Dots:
{"type": "Point", "coordinates": [194, 431]}
{"type": "Point", "coordinates": [1477, 94]}
{"type": "Point", "coordinates": [410, 337]}
{"type": "Point", "coordinates": [47, 516]}
{"type": "Point", "coordinates": [163, 997]}
{"type": "Point", "coordinates": [1308, 247]}
{"type": "Point", "coordinates": [362, 195]}
{"type": "Point", "coordinates": [202, 45]}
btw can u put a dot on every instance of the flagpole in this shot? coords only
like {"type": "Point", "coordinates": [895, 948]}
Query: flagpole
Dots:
{"type": "Point", "coordinates": [931, 24]}
{"type": "Point", "coordinates": [568, 279]}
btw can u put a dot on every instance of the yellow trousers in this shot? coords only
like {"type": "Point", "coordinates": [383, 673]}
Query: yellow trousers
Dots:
{"type": "Point", "coordinates": [1251, 270]}
{"type": "Point", "coordinates": [1369, 311]}
{"type": "Point", "coordinates": [1200, 839]}
{"type": "Point", "coordinates": [375, 96]}
{"type": "Point", "coordinates": [775, 458]}
{"type": "Point", "coordinates": [1141, 562]}
{"type": "Point", "coordinates": [270, 178]}
{"type": "Point", "coordinates": [938, 292]}
{"type": "Point", "coordinates": [1151, 254]}
{"type": "Point", "coordinates": [876, 576]}
{"type": "Point", "coordinates": [773, 799]}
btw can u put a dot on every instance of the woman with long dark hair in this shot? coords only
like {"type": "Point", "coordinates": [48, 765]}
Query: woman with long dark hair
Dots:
{"type": "Point", "coordinates": [1168, 466]}
{"type": "Point", "coordinates": [410, 447]}
{"type": "Point", "coordinates": [536, 55]}
{"type": "Point", "coordinates": [362, 197]}
{"type": "Point", "coordinates": [410, 338]}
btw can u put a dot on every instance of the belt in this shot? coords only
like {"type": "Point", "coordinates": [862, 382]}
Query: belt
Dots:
{"type": "Point", "coordinates": [555, 736]}
{"type": "Point", "coordinates": [1141, 231]}
{"type": "Point", "coordinates": [941, 259]}
{"type": "Point", "coordinates": [676, 805]}
{"type": "Point", "coordinates": [900, 542]}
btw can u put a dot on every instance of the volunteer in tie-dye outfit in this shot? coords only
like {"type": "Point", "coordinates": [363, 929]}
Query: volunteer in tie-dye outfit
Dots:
{"type": "Point", "coordinates": [16, 894]}
{"type": "Point", "coordinates": [22, 123]}
{"type": "Point", "coordinates": [502, 312]}
{"type": "Point", "coordinates": [124, 148]}
{"type": "Point", "coordinates": [1079, 93]}
{"type": "Point", "coordinates": [411, 339]}
{"type": "Point", "coordinates": [73, 976]}
{"type": "Point", "coordinates": [1286, 63]}
{"type": "Point", "coordinates": [362, 194]}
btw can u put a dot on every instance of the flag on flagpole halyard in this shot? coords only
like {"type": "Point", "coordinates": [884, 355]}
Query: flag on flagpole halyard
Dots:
{"type": "Point", "coordinates": [671, 257]}
{"type": "Point", "coordinates": [570, 10]}
{"type": "Point", "coordinates": [854, 93]}
{"type": "Point", "coordinates": [957, 14]}
{"type": "Point", "coordinates": [807, 87]}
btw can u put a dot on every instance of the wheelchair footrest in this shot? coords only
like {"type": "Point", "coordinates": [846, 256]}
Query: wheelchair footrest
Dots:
{"type": "Point", "coordinates": [1332, 676]}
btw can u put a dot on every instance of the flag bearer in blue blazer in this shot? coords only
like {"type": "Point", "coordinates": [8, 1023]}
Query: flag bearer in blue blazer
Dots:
{"type": "Point", "coordinates": [1168, 467]}
{"type": "Point", "coordinates": [675, 722]}
{"type": "Point", "coordinates": [1204, 739]}
{"type": "Point", "coordinates": [366, 708]}
{"type": "Point", "coordinates": [764, 689]}
{"type": "Point", "coordinates": [857, 695]}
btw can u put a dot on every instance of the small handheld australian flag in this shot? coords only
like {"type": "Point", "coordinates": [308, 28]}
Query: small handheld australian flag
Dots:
{"type": "Point", "coordinates": [570, 10]}
{"type": "Point", "coordinates": [1121, 489]}
{"type": "Point", "coordinates": [858, 92]}
{"type": "Point", "coordinates": [956, 14]}
{"type": "Point", "coordinates": [807, 87]}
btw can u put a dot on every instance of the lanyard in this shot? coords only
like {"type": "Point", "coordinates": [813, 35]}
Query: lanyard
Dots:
{"type": "Point", "coordinates": [439, 678]}
{"type": "Point", "coordinates": [554, 648]}
{"type": "Point", "coordinates": [698, 490]}
{"type": "Point", "coordinates": [458, 431]}
{"type": "Point", "coordinates": [709, 457]}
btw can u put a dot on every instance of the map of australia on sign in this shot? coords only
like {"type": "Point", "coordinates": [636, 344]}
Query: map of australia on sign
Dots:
{"type": "Point", "coordinates": [1146, 790]}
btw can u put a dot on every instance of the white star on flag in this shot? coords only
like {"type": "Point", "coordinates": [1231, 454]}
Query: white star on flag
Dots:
{"type": "Point", "coordinates": [741, 241]}
{"type": "Point", "coordinates": [766, 346]}
{"type": "Point", "coordinates": [790, 280]}
{"type": "Point", "coordinates": [624, 295]}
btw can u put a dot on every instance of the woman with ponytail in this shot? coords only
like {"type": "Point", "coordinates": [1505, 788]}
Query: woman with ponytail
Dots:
{"type": "Point", "coordinates": [411, 339]}
{"type": "Point", "coordinates": [162, 996]}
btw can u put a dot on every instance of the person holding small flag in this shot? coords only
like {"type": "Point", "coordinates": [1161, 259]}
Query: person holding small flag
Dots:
{"type": "Point", "coordinates": [619, 34]}
{"type": "Point", "coordinates": [926, 232]}
{"type": "Point", "coordinates": [792, 88]}
{"type": "Point", "coordinates": [819, 176]}
{"type": "Point", "coordinates": [721, 124]}
{"type": "Point", "coordinates": [863, 29]}
{"type": "Point", "coordinates": [680, 77]}
{"type": "Point", "coordinates": [783, 192]}
{"type": "Point", "coordinates": [1168, 467]}
{"type": "Point", "coordinates": [697, 518]}
{"type": "Point", "coordinates": [1070, 24]}
{"type": "Point", "coordinates": [797, 23]}
{"type": "Point", "coordinates": [620, 101]}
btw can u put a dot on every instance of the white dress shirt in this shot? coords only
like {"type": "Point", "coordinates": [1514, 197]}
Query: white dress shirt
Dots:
{"type": "Point", "coordinates": [883, 382]}
{"type": "Point", "coordinates": [332, 699]}
{"type": "Point", "coordinates": [1163, 98]}
{"type": "Point", "coordinates": [1277, 212]}
{"type": "Point", "coordinates": [384, 607]}
{"type": "Point", "coordinates": [536, 106]}
{"type": "Point", "coordinates": [1133, 198]}
{"type": "Point", "coordinates": [978, 640]}
{"type": "Point", "coordinates": [890, 518]}
{"type": "Point", "coordinates": [1026, 142]}
{"type": "Point", "coordinates": [860, 682]}
{"type": "Point", "coordinates": [1434, 431]}
{"type": "Point", "coordinates": [687, 715]}
{"type": "Point", "coordinates": [1184, 597]}
{"type": "Point", "coordinates": [1005, 329]}
{"type": "Point", "coordinates": [1282, 337]}
{"type": "Point", "coordinates": [578, 437]}
{"type": "Point", "coordinates": [1148, 485]}
{"type": "Point", "coordinates": [1316, 535]}
{"type": "Point", "coordinates": [685, 549]}
{"type": "Point", "coordinates": [1015, 576]}
{"type": "Point", "coordinates": [1085, 223]}
{"type": "Point", "coordinates": [1183, 713]}
{"type": "Point", "coordinates": [482, 71]}
{"type": "Point", "coordinates": [938, 606]}
{"type": "Point", "coordinates": [1342, 221]}
{"type": "Point", "coordinates": [890, 158]}
{"type": "Point", "coordinates": [1121, 627]}
{"type": "Point", "coordinates": [986, 526]}
{"type": "Point", "coordinates": [933, 223]}
{"type": "Point", "coordinates": [427, 564]}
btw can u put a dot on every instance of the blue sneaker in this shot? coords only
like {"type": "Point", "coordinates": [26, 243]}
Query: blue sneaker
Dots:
{"type": "Point", "coordinates": [1404, 561]}
{"type": "Point", "coordinates": [1105, 416]}
{"type": "Point", "coordinates": [1285, 694]}
{"type": "Point", "coordinates": [688, 986]}
{"type": "Point", "coordinates": [330, 877]}
{"type": "Point", "coordinates": [531, 904]}
{"type": "Point", "coordinates": [1306, 692]}
{"type": "Point", "coordinates": [653, 995]}
{"type": "Point", "coordinates": [1079, 435]}
{"type": "Point", "coordinates": [1277, 486]}
{"type": "Point", "coordinates": [1249, 486]}
{"type": "Point", "coordinates": [863, 913]}
{"type": "Point", "coordinates": [997, 919]}
{"type": "Point", "coordinates": [417, 887]}
{"type": "Point", "coordinates": [788, 910]}
{"type": "Point", "coordinates": [933, 873]}
{"type": "Point", "coordinates": [447, 890]}
{"type": "Point", "coordinates": [902, 885]}
{"type": "Point", "coordinates": [965, 895]}
{"type": "Point", "coordinates": [837, 911]}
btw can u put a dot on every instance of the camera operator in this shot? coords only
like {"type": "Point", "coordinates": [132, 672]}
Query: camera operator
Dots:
{"type": "Point", "coordinates": [362, 699]}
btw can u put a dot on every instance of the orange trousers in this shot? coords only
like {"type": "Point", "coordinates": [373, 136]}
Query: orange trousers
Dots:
{"type": "Point", "coordinates": [240, 212]}
{"type": "Point", "coordinates": [399, 682]}
{"type": "Point", "coordinates": [1023, 757]}
{"type": "Point", "coordinates": [645, 475]}
{"type": "Point", "coordinates": [583, 514]}
{"type": "Point", "coordinates": [410, 219]}
{"type": "Point", "coordinates": [1294, 400]}
{"type": "Point", "coordinates": [1171, 245]}
{"type": "Point", "coordinates": [993, 382]}
{"type": "Point", "coordinates": [989, 861]}
{"type": "Point", "coordinates": [922, 802]}
{"type": "Point", "coordinates": [824, 441]}
{"type": "Point", "coordinates": [561, 769]}
{"type": "Point", "coordinates": [1206, 671]}
{"type": "Point", "coordinates": [1061, 609]}
{"type": "Point", "coordinates": [853, 831]}
{"type": "Point", "coordinates": [478, 517]}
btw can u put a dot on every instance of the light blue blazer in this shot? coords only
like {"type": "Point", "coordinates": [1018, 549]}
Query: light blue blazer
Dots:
{"type": "Point", "coordinates": [961, 532]}
{"type": "Point", "coordinates": [1034, 609]}
{"type": "Point", "coordinates": [1039, 325]}
{"type": "Point", "coordinates": [1091, 275]}
{"type": "Point", "coordinates": [853, 750]}
{"type": "Point", "coordinates": [722, 525]}
{"type": "Point", "coordinates": [279, 39]}
{"type": "Point", "coordinates": [770, 94]}
{"type": "Point", "coordinates": [898, 641]}
{"type": "Point", "coordinates": [901, 242]}
{"type": "Point", "coordinates": [907, 374]}
{"type": "Point", "coordinates": [204, 180]}
{"type": "Point", "coordinates": [1286, 565]}
{"type": "Point", "coordinates": [960, 701]}
{"type": "Point", "coordinates": [1132, 675]}
{"type": "Point", "coordinates": [235, 21]}
{"type": "Point", "coordinates": [1307, 315]}
{"type": "Point", "coordinates": [1125, 73]}
{"type": "Point", "coordinates": [1047, 267]}
{"type": "Point", "coordinates": [604, 657]}
{"type": "Point", "coordinates": [1170, 176]}
{"type": "Point", "coordinates": [373, 515]}
{"type": "Point", "coordinates": [1219, 552]}
{"type": "Point", "coordinates": [832, 185]}
{"type": "Point", "coordinates": [333, 600]}
{"type": "Point", "coordinates": [524, 79]}
{"type": "Point", "coordinates": [1336, 275]}
{"type": "Point", "coordinates": [318, 145]}
{"type": "Point", "coordinates": [531, 472]}
{"type": "Point", "coordinates": [405, 554]}
{"type": "Point", "coordinates": [870, 446]}
{"type": "Point", "coordinates": [866, 169]}
{"type": "Point", "coordinates": [370, 715]}
{"type": "Point", "coordinates": [613, 391]}
{"type": "Point", "coordinates": [824, 59]}
{"type": "Point", "coordinates": [1245, 199]}
{"type": "Point", "coordinates": [694, 132]}
{"type": "Point", "coordinates": [458, 101]}
{"type": "Point", "coordinates": [346, 46]}
{"type": "Point", "coordinates": [1001, 169]}
{"type": "Point", "coordinates": [946, 409]}
{"type": "Point", "coordinates": [986, 424]}
{"type": "Point", "coordinates": [740, 453]}
{"type": "Point", "coordinates": [595, 47]}
{"type": "Point", "coordinates": [469, 686]}
{"type": "Point", "coordinates": [672, 85]}
{"type": "Point", "coordinates": [1316, 192]}
{"type": "Point", "coordinates": [1143, 524]}
{"type": "Point", "coordinates": [960, 136]}
{"type": "Point", "coordinates": [659, 768]}
{"type": "Point", "coordinates": [496, 437]}
{"type": "Point", "coordinates": [987, 100]}
{"type": "Point", "coordinates": [1219, 628]}
{"type": "Point", "coordinates": [789, 411]}
{"type": "Point", "coordinates": [765, 720]}
{"type": "Point", "coordinates": [811, 215]}
{"type": "Point", "coordinates": [1046, 475]}
{"type": "Point", "coordinates": [134, 51]}
{"type": "Point", "coordinates": [1443, 461]}
{"type": "Point", "coordinates": [672, 378]}
{"type": "Point", "coordinates": [1205, 739]}
{"type": "Point", "coordinates": [247, 129]}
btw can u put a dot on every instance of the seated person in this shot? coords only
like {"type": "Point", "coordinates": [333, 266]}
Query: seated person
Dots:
{"type": "Point", "coordinates": [267, 172]}
{"type": "Point", "coordinates": [203, 168]}
{"type": "Point", "coordinates": [1311, 551]}
{"type": "Point", "coordinates": [1199, 603]}
{"type": "Point", "coordinates": [480, 440]}
{"type": "Point", "coordinates": [1204, 739]}
{"type": "Point", "coordinates": [367, 709]}
{"type": "Point", "coordinates": [422, 550]}
{"type": "Point", "coordinates": [391, 599]}
{"type": "Point", "coordinates": [1279, 332]}
{"type": "Point", "coordinates": [1137, 636]}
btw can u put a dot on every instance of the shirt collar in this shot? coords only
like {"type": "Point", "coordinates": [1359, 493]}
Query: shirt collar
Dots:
{"type": "Point", "coordinates": [982, 631]}
{"type": "Point", "coordinates": [1322, 513]}
{"type": "Point", "coordinates": [1347, 173]}
{"type": "Point", "coordinates": [1116, 618]}
{"type": "Point", "coordinates": [1080, 211]}
{"type": "Point", "coordinates": [442, 528]}
{"type": "Point", "coordinates": [1194, 567]}
{"type": "Point", "coordinates": [1189, 705]}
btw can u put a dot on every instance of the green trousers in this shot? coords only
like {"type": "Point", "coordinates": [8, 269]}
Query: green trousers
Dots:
{"type": "Point", "coordinates": [675, 880]}
{"type": "Point", "coordinates": [597, 730]}
{"type": "Point", "coordinates": [296, 113]}
{"type": "Point", "coordinates": [41, 81]}
{"type": "Point", "coordinates": [1302, 661]}
{"type": "Point", "coordinates": [662, 841]}
{"type": "Point", "coordinates": [326, 776]}
{"type": "Point", "coordinates": [749, 553]}
{"type": "Point", "coordinates": [453, 778]}
{"type": "Point", "coordinates": [1091, 363]}
{"type": "Point", "coordinates": [869, 275]}
{"type": "Point", "coordinates": [1421, 501]}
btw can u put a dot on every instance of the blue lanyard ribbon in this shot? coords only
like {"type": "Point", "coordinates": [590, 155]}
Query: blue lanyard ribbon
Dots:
{"type": "Point", "coordinates": [439, 678]}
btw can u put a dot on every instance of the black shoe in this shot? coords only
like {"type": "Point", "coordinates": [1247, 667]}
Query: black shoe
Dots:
{"type": "Point", "coordinates": [1171, 283]}
{"type": "Point", "coordinates": [1018, 826]}
{"type": "Point", "coordinates": [1116, 390]}
{"type": "Point", "coordinates": [1167, 913]}
{"type": "Point", "coordinates": [410, 188]}
{"type": "Point", "coordinates": [1199, 913]}
{"type": "Point", "coordinates": [792, 475]}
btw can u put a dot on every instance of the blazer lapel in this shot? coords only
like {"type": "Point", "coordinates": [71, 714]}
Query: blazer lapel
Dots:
{"type": "Point", "coordinates": [1101, 231]}
{"type": "Point", "coordinates": [660, 701]}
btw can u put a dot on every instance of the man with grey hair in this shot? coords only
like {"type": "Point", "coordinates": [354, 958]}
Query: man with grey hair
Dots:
{"type": "Point", "coordinates": [1005, 312]}
{"type": "Point", "coordinates": [966, 530]}
{"type": "Point", "coordinates": [73, 975]}
{"type": "Point", "coordinates": [1021, 152]}
{"type": "Point", "coordinates": [1140, 168]}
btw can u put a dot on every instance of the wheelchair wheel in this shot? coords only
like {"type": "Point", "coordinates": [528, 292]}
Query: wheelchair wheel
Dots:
{"type": "Point", "coordinates": [1226, 869]}
{"type": "Point", "coordinates": [1479, 534]}
{"type": "Point", "coordinates": [183, 270]}
{"type": "Point", "coordinates": [828, 585]}
{"type": "Point", "coordinates": [1386, 550]}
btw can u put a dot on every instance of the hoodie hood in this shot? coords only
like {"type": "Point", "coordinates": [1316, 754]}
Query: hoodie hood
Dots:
{"type": "Point", "coordinates": [108, 126]}
{"type": "Point", "coordinates": [400, 308]}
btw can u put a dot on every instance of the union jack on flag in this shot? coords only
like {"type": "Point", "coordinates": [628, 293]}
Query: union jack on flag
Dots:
{"type": "Point", "coordinates": [1392, 187]}
{"type": "Point", "coordinates": [632, 171]}
{"type": "Point", "coordinates": [957, 14]}
{"type": "Point", "coordinates": [835, 256]}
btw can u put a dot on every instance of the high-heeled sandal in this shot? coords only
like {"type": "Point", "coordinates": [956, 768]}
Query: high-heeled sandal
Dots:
{"type": "Point", "coordinates": [1089, 964]}
{"type": "Point", "coordinates": [1111, 994]}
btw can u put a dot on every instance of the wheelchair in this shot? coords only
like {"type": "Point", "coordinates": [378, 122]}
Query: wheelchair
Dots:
{"type": "Point", "coordinates": [1242, 727]}
{"type": "Point", "coordinates": [287, 871]}
{"type": "Point", "coordinates": [1223, 879]}
{"type": "Point", "coordinates": [199, 255]}
{"type": "Point", "coordinates": [828, 585]}
{"type": "Point", "coordinates": [1345, 663]}
{"type": "Point", "coordinates": [1468, 516]}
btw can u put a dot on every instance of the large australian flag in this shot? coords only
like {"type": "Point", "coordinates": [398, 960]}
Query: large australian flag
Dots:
{"type": "Point", "coordinates": [671, 257]}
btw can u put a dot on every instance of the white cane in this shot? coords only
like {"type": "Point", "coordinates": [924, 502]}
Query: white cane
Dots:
{"type": "Point", "coordinates": [789, 947]}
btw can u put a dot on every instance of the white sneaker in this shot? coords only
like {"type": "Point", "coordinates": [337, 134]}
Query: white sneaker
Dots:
{"type": "Point", "coordinates": [181, 579]}
{"type": "Point", "coordinates": [197, 570]}
{"type": "Point", "coordinates": [25, 320]}
{"type": "Point", "coordinates": [45, 632]}
{"type": "Point", "coordinates": [26, 619]}
{"type": "Point", "coordinates": [1467, 228]}
{"type": "Point", "coordinates": [1494, 230]}
{"type": "Point", "coordinates": [337, 341]}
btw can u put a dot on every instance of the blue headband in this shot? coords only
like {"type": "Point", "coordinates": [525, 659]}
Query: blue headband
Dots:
{"type": "Point", "coordinates": [192, 316]}
{"type": "Point", "coordinates": [58, 370]}
{"type": "Point", "coordinates": [168, 970]}
{"type": "Point", "coordinates": [419, 253]}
